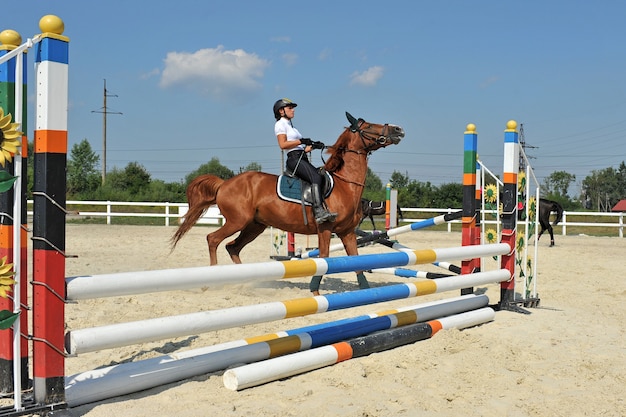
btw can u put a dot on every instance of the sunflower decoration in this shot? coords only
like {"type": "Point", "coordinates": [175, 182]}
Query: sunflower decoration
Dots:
{"type": "Point", "coordinates": [491, 236]}
{"type": "Point", "coordinates": [520, 241]}
{"type": "Point", "coordinates": [532, 207]}
{"type": "Point", "coordinates": [9, 138]}
{"type": "Point", "coordinates": [491, 193]}
{"type": "Point", "coordinates": [6, 277]}
{"type": "Point", "coordinates": [521, 182]}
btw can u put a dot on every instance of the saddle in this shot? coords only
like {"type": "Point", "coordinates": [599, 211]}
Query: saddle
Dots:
{"type": "Point", "coordinates": [293, 189]}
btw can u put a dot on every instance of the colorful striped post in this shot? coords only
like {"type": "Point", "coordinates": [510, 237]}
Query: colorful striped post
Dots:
{"type": "Point", "coordinates": [468, 236]}
{"type": "Point", "coordinates": [258, 373]}
{"type": "Point", "coordinates": [125, 378]}
{"type": "Point", "coordinates": [387, 208]}
{"type": "Point", "coordinates": [13, 239]}
{"type": "Point", "coordinates": [509, 212]}
{"type": "Point", "coordinates": [50, 159]}
{"type": "Point", "coordinates": [123, 334]}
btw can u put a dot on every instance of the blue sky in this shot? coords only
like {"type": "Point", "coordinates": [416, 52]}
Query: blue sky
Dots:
{"type": "Point", "coordinates": [197, 79]}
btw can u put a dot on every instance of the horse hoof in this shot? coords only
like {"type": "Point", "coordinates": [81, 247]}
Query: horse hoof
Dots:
{"type": "Point", "coordinates": [315, 293]}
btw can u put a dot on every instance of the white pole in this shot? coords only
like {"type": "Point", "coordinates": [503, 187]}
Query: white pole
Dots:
{"type": "Point", "coordinates": [122, 379]}
{"type": "Point", "coordinates": [17, 244]}
{"type": "Point", "coordinates": [124, 334]}
{"type": "Point", "coordinates": [128, 283]}
{"type": "Point", "coordinates": [296, 363]}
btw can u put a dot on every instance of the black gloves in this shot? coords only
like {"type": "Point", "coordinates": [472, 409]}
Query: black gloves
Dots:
{"type": "Point", "coordinates": [314, 144]}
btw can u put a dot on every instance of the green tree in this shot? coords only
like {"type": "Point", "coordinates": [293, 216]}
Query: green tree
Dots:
{"type": "Point", "coordinates": [212, 167]}
{"type": "Point", "coordinates": [417, 194]}
{"type": "Point", "coordinates": [129, 184]}
{"type": "Point", "coordinates": [252, 166]}
{"type": "Point", "coordinates": [82, 173]}
{"type": "Point", "coordinates": [604, 188]}
{"type": "Point", "coordinates": [557, 184]}
{"type": "Point", "coordinates": [449, 196]}
{"type": "Point", "coordinates": [399, 181]}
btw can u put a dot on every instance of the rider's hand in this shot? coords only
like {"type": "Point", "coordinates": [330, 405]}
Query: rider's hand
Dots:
{"type": "Point", "coordinates": [306, 141]}
{"type": "Point", "coordinates": [318, 145]}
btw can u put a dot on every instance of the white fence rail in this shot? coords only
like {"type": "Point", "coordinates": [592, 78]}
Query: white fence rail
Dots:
{"type": "Point", "coordinates": [175, 211]}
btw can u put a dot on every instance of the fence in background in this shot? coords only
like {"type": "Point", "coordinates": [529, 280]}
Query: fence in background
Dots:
{"type": "Point", "coordinates": [174, 211]}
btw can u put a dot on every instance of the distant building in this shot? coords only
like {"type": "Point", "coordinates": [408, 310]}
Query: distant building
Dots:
{"type": "Point", "coordinates": [620, 206]}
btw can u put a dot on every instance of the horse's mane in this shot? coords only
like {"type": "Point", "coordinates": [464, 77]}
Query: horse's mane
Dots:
{"type": "Point", "coordinates": [335, 162]}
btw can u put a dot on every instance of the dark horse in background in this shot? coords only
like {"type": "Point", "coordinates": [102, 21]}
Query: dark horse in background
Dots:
{"type": "Point", "coordinates": [546, 207]}
{"type": "Point", "coordinates": [249, 201]}
{"type": "Point", "coordinates": [371, 208]}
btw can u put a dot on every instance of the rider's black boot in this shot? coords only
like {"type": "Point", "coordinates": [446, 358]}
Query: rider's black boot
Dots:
{"type": "Point", "coordinates": [319, 211]}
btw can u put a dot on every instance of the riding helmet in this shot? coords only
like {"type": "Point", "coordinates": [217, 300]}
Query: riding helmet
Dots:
{"type": "Point", "coordinates": [283, 102]}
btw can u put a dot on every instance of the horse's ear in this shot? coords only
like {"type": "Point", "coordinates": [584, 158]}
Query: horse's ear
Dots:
{"type": "Point", "coordinates": [354, 123]}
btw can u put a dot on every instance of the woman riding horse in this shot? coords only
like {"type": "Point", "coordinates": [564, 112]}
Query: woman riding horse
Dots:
{"type": "Point", "coordinates": [250, 203]}
{"type": "Point", "coordinates": [297, 148]}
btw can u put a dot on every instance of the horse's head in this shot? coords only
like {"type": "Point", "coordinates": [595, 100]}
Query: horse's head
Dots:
{"type": "Point", "coordinates": [361, 138]}
{"type": "Point", "coordinates": [375, 136]}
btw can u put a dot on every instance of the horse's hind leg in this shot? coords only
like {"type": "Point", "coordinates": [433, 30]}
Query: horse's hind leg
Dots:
{"type": "Point", "coordinates": [551, 235]}
{"type": "Point", "coordinates": [247, 235]}
{"type": "Point", "coordinates": [217, 237]}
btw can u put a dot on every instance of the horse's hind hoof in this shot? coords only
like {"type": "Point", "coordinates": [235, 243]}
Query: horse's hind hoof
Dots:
{"type": "Point", "coordinates": [315, 293]}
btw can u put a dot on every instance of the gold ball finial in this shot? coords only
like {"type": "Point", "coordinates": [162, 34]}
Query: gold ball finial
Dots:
{"type": "Point", "coordinates": [470, 128]}
{"type": "Point", "coordinates": [10, 37]}
{"type": "Point", "coordinates": [511, 125]}
{"type": "Point", "coordinates": [51, 24]}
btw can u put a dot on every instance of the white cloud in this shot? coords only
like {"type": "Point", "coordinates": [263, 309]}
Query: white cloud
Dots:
{"type": "Point", "coordinates": [150, 74]}
{"type": "Point", "coordinates": [325, 54]}
{"type": "Point", "coordinates": [368, 77]}
{"type": "Point", "coordinates": [214, 71]}
{"type": "Point", "coordinates": [290, 59]}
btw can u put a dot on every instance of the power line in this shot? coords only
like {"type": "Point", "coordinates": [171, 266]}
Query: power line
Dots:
{"type": "Point", "coordinates": [105, 111]}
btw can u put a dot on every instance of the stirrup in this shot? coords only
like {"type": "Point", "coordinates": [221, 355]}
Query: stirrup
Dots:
{"type": "Point", "coordinates": [325, 216]}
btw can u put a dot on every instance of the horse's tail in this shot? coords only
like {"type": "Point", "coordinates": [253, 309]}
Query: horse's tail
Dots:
{"type": "Point", "coordinates": [201, 194]}
{"type": "Point", "coordinates": [559, 212]}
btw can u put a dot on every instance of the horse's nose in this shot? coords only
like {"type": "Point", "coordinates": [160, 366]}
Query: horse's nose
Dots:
{"type": "Point", "coordinates": [398, 133]}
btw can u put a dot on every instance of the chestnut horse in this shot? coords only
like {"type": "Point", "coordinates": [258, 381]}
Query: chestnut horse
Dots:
{"type": "Point", "coordinates": [249, 201]}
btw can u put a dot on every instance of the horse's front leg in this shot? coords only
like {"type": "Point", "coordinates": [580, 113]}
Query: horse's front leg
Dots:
{"type": "Point", "coordinates": [351, 247]}
{"type": "Point", "coordinates": [323, 245]}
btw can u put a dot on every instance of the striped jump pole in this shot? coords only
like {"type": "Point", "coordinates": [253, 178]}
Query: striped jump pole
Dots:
{"type": "Point", "coordinates": [509, 214]}
{"type": "Point", "coordinates": [122, 379]}
{"type": "Point", "coordinates": [410, 273]}
{"type": "Point", "coordinates": [50, 157]}
{"type": "Point", "coordinates": [470, 214]}
{"type": "Point", "coordinates": [285, 366]}
{"type": "Point", "coordinates": [124, 334]}
{"type": "Point", "coordinates": [374, 237]}
{"type": "Point", "coordinates": [13, 239]}
{"type": "Point", "coordinates": [128, 283]}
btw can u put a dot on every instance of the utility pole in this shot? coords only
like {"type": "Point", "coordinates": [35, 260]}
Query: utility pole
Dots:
{"type": "Point", "coordinates": [105, 110]}
{"type": "Point", "coordinates": [524, 146]}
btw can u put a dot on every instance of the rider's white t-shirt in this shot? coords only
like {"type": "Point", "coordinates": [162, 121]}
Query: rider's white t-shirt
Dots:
{"type": "Point", "coordinates": [283, 126]}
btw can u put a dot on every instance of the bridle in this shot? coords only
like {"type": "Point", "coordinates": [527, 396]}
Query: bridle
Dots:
{"type": "Point", "coordinates": [369, 137]}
